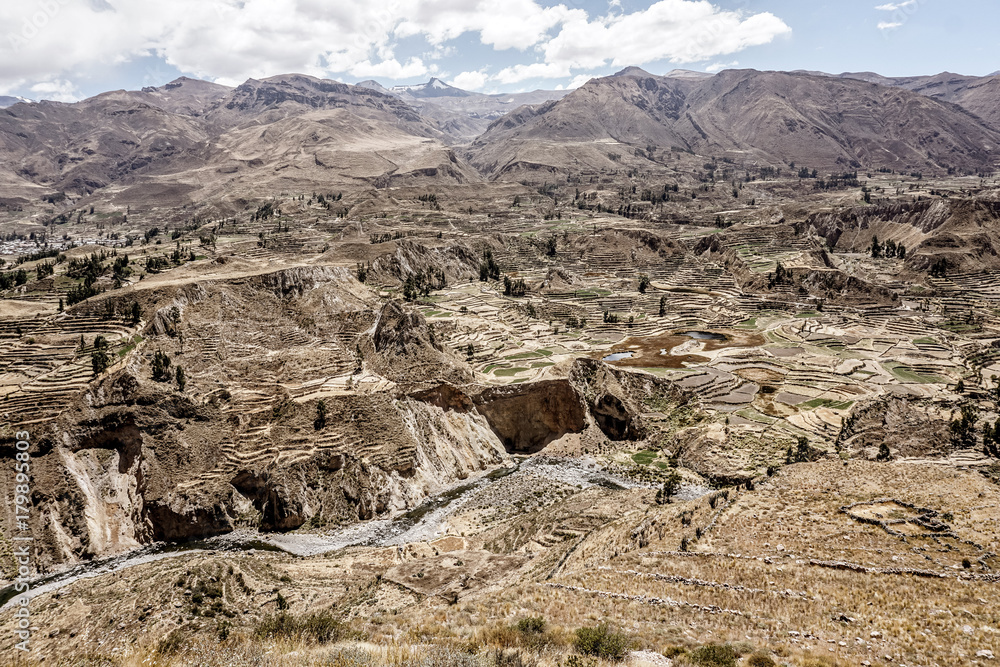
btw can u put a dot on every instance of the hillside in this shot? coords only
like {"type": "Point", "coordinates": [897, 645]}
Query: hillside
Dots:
{"type": "Point", "coordinates": [164, 144]}
{"type": "Point", "coordinates": [980, 95]}
{"type": "Point", "coordinates": [770, 117]}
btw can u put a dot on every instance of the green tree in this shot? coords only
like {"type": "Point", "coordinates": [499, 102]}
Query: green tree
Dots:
{"type": "Point", "coordinates": [135, 314]}
{"type": "Point", "coordinates": [320, 422]}
{"type": "Point", "coordinates": [671, 485]}
{"type": "Point", "coordinates": [99, 361]}
{"type": "Point", "coordinates": [181, 379]}
{"type": "Point", "coordinates": [883, 453]}
{"type": "Point", "coordinates": [550, 246]}
{"type": "Point", "coordinates": [643, 283]}
{"type": "Point", "coordinates": [161, 366]}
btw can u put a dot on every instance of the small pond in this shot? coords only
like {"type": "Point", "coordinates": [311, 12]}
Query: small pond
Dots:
{"type": "Point", "coordinates": [704, 335]}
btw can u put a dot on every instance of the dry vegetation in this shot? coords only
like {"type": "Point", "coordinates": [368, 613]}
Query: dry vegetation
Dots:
{"type": "Point", "coordinates": [833, 507]}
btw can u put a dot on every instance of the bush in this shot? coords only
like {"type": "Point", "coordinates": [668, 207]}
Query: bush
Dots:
{"type": "Point", "coordinates": [172, 644]}
{"type": "Point", "coordinates": [501, 658]}
{"type": "Point", "coordinates": [531, 625]}
{"type": "Point", "coordinates": [760, 659]}
{"type": "Point", "coordinates": [715, 655]}
{"type": "Point", "coordinates": [322, 627]}
{"type": "Point", "coordinates": [350, 657]}
{"type": "Point", "coordinates": [603, 642]}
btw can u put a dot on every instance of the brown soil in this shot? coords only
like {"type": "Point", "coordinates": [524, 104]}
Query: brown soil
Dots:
{"type": "Point", "coordinates": [646, 350]}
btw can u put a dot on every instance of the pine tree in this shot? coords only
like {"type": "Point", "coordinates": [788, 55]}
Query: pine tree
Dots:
{"type": "Point", "coordinates": [161, 366]}
{"type": "Point", "coordinates": [320, 421]}
{"type": "Point", "coordinates": [99, 361]}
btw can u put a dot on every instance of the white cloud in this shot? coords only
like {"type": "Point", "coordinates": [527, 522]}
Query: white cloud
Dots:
{"type": "Point", "coordinates": [894, 6]}
{"type": "Point", "coordinates": [57, 91]}
{"type": "Point", "coordinates": [232, 40]}
{"type": "Point", "coordinates": [578, 81]}
{"type": "Point", "coordinates": [470, 80]}
{"type": "Point", "coordinates": [392, 69]}
{"type": "Point", "coordinates": [680, 31]}
{"type": "Point", "coordinates": [532, 71]}
{"type": "Point", "coordinates": [718, 67]}
{"type": "Point", "coordinates": [514, 24]}
{"type": "Point", "coordinates": [888, 25]}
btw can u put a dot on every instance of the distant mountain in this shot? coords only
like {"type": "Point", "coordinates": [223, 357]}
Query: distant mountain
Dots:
{"type": "Point", "coordinates": [672, 74]}
{"type": "Point", "coordinates": [7, 101]}
{"type": "Point", "coordinates": [771, 117]}
{"type": "Point", "coordinates": [433, 88]}
{"type": "Point", "coordinates": [461, 115]}
{"type": "Point", "coordinates": [374, 85]}
{"type": "Point", "coordinates": [163, 145]}
{"type": "Point", "coordinates": [191, 97]}
{"type": "Point", "coordinates": [687, 74]}
{"type": "Point", "coordinates": [980, 95]}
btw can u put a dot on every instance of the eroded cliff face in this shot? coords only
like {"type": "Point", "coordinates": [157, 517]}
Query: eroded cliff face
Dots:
{"type": "Point", "coordinates": [527, 417]}
{"type": "Point", "coordinates": [134, 463]}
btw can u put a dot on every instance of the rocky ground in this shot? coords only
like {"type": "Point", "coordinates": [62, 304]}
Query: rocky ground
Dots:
{"type": "Point", "coordinates": [365, 430]}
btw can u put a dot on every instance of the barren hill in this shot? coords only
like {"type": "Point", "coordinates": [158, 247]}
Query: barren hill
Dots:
{"type": "Point", "coordinates": [192, 135]}
{"type": "Point", "coordinates": [978, 94]}
{"type": "Point", "coordinates": [461, 114]}
{"type": "Point", "coordinates": [769, 117]}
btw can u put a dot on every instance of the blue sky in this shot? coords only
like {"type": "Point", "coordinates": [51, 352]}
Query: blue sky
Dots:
{"type": "Point", "coordinates": [69, 49]}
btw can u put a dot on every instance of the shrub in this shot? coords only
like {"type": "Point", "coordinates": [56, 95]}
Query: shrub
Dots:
{"type": "Point", "coordinates": [171, 644]}
{"type": "Point", "coordinates": [760, 659]}
{"type": "Point", "coordinates": [350, 657]}
{"type": "Point", "coordinates": [501, 658]}
{"type": "Point", "coordinates": [603, 642]}
{"type": "Point", "coordinates": [715, 655]}
{"type": "Point", "coordinates": [321, 627]}
{"type": "Point", "coordinates": [531, 625]}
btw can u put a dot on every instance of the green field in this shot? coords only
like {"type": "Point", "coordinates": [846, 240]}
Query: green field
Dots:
{"type": "Point", "coordinates": [828, 403]}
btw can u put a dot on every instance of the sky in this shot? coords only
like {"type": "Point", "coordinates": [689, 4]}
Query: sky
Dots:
{"type": "Point", "coordinates": [66, 50]}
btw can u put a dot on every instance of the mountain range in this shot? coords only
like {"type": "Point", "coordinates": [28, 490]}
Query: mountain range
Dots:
{"type": "Point", "coordinates": [293, 132]}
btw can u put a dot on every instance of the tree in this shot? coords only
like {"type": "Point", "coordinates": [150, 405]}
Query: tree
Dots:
{"type": "Point", "coordinates": [410, 291]}
{"type": "Point", "coordinates": [161, 366]}
{"type": "Point", "coordinates": [963, 429]}
{"type": "Point", "coordinates": [99, 361]}
{"type": "Point", "coordinates": [883, 453]}
{"type": "Point", "coordinates": [488, 268]}
{"type": "Point", "coordinates": [643, 283]}
{"type": "Point", "coordinates": [875, 249]}
{"type": "Point", "coordinates": [670, 487]}
{"type": "Point", "coordinates": [550, 246]}
{"type": "Point", "coordinates": [320, 422]}
{"type": "Point", "coordinates": [663, 306]}
{"type": "Point", "coordinates": [100, 343]}
{"type": "Point", "coordinates": [801, 452]}
{"type": "Point", "coordinates": [135, 314]}
{"type": "Point", "coordinates": [514, 287]}
{"type": "Point", "coordinates": [60, 305]}
{"type": "Point", "coordinates": [181, 379]}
